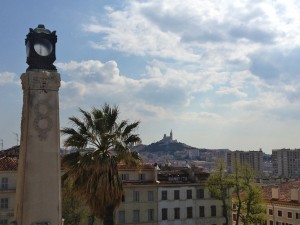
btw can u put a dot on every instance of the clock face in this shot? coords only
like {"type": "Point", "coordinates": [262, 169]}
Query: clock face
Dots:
{"type": "Point", "coordinates": [43, 47]}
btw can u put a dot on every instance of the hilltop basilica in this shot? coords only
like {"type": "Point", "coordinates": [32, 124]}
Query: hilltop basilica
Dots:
{"type": "Point", "coordinates": [167, 139]}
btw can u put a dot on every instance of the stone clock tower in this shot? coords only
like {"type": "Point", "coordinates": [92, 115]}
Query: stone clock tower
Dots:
{"type": "Point", "coordinates": [38, 199]}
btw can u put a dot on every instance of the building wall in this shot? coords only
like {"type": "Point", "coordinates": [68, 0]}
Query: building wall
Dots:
{"type": "Point", "coordinates": [7, 194]}
{"type": "Point", "coordinates": [187, 202]}
{"type": "Point", "coordinates": [252, 158]}
{"type": "Point", "coordinates": [183, 203]}
{"type": "Point", "coordinates": [141, 204]}
{"type": "Point", "coordinates": [287, 216]}
{"type": "Point", "coordinates": [286, 163]}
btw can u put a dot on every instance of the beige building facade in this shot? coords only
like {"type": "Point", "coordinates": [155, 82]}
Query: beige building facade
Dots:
{"type": "Point", "coordinates": [283, 203]}
{"type": "Point", "coordinates": [8, 181]}
{"type": "Point", "coordinates": [166, 198]}
{"type": "Point", "coordinates": [151, 197]}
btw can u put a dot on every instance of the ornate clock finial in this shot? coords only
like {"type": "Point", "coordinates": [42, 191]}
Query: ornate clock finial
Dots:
{"type": "Point", "coordinates": [40, 48]}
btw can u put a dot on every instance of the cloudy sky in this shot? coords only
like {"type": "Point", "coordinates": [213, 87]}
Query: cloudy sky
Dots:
{"type": "Point", "coordinates": [219, 73]}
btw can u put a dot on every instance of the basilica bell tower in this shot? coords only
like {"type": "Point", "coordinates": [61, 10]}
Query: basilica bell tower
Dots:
{"type": "Point", "coordinates": [38, 198]}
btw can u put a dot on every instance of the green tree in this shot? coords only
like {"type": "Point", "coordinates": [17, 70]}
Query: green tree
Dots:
{"type": "Point", "coordinates": [94, 174]}
{"type": "Point", "coordinates": [72, 211]}
{"type": "Point", "coordinates": [248, 196]}
{"type": "Point", "coordinates": [219, 185]}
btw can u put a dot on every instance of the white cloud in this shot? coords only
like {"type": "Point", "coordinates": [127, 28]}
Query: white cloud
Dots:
{"type": "Point", "coordinates": [166, 93]}
{"type": "Point", "coordinates": [8, 78]}
{"type": "Point", "coordinates": [91, 70]}
{"type": "Point", "coordinates": [207, 62]}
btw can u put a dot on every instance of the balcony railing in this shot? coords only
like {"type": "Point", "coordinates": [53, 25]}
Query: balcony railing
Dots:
{"type": "Point", "coordinates": [12, 190]}
{"type": "Point", "coordinates": [6, 212]}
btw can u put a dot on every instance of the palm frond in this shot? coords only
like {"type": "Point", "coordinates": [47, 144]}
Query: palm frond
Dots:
{"type": "Point", "coordinates": [129, 128]}
{"type": "Point", "coordinates": [94, 175]}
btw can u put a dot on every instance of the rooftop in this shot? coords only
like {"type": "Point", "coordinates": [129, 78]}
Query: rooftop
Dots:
{"type": "Point", "coordinates": [284, 190]}
{"type": "Point", "coordinates": [8, 164]}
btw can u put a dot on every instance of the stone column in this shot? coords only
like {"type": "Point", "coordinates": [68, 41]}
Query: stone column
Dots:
{"type": "Point", "coordinates": [38, 198]}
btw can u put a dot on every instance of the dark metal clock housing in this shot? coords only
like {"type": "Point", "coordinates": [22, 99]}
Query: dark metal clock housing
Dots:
{"type": "Point", "coordinates": [40, 48]}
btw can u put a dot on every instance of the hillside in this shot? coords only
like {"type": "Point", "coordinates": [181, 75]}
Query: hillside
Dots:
{"type": "Point", "coordinates": [167, 148]}
{"type": "Point", "coordinates": [170, 149]}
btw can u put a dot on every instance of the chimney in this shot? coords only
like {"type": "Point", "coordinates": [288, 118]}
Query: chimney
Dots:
{"type": "Point", "coordinates": [275, 193]}
{"type": "Point", "coordinates": [156, 168]}
{"type": "Point", "coordinates": [295, 194]}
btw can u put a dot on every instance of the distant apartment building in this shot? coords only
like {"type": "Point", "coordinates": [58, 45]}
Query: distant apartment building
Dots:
{"type": "Point", "coordinates": [283, 203]}
{"type": "Point", "coordinates": [178, 197]}
{"type": "Point", "coordinates": [8, 169]}
{"type": "Point", "coordinates": [252, 158]}
{"type": "Point", "coordinates": [286, 163]}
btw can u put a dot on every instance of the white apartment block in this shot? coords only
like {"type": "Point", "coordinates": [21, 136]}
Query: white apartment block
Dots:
{"type": "Point", "coordinates": [286, 163]}
{"type": "Point", "coordinates": [171, 199]}
{"type": "Point", "coordinates": [252, 158]}
{"type": "Point", "coordinates": [188, 205]}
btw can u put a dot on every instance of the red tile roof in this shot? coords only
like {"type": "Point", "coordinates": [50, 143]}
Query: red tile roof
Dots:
{"type": "Point", "coordinates": [283, 188]}
{"type": "Point", "coordinates": [8, 164]}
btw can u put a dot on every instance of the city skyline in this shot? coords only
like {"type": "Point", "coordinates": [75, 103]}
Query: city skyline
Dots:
{"type": "Point", "coordinates": [219, 74]}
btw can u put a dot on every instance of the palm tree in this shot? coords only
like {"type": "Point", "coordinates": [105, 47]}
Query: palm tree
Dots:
{"type": "Point", "coordinates": [94, 174]}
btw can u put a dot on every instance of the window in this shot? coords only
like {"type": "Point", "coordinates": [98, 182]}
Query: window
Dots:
{"type": "Point", "coordinates": [4, 183]}
{"type": "Point", "coordinates": [279, 213]}
{"type": "Point", "coordinates": [142, 177]}
{"type": "Point", "coordinates": [201, 211]}
{"type": "Point", "coordinates": [136, 216]}
{"type": "Point", "coordinates": [234, 217]}
{"type": "Point", "coordinates": [176, 213]}
{"type": "Point", "coordinates": [164, 195]}
{"type": "Point", "coordinates": [150, 196]}
{"type": "Point", "coordinates": [150, 215]}
{"type": "Point", "coordinates": [189, 212]}
{"type": "Point", "coordinates": [4, 203]}
{"type": "Point", "coordinates": [123, 198]}
{"type": "Point", "coordinates": [234, 206]}
{"type": "Point", "coordinates": [124, 176]}
{"type": "Point", "coordinates": [164, 214]}
{"type": "Point", "coordinates": [270, 211]}
{"type": "Point", "coordinates": [290, 215]}
{"type": "Point", "coordinates": [121, 217]}
{"type": "Point", "coordinates": [189, 194]}
{"type": "Point", "coordinates": [271, 222]}
{"type": "Point", "coordinates": [200, 193]}
{"type": "Point", "coordinates": [213, 210]}
{"type": "Point", "coordinates": [297, 216]}
{"type": "Point", "coordinates": [3, 222]}
{"type": "Point", "coordinates": [136, 196]}
{"type": "Point", "coordinates": [176, 194]}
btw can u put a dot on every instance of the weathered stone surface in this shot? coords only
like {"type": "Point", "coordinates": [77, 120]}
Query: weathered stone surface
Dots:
{"type": "Point", "coordinates": [38, 187]}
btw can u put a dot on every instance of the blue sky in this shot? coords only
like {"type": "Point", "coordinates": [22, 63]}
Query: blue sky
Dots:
{"type": "Point", "coordinates": [221, 74]}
